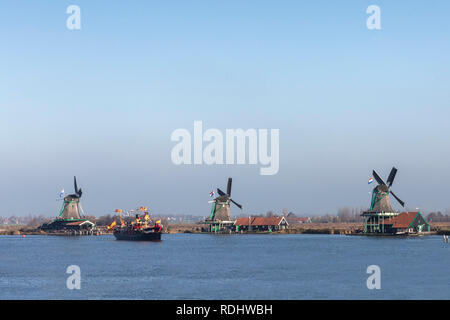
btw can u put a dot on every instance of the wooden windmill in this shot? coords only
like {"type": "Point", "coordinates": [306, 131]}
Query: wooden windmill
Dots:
{"type": "Point", "coordinates": [221, 205]}
{"type": "Point", "coordinates": [380, 194]}
{"type": "Point", "coordinates": [71, 220]}
{"type": "Point", "coordinates": [380, 209]}
{"type": "Point", "coordinates": [220, 217]}
{"type": "Point", "coordinates": [71, 208]}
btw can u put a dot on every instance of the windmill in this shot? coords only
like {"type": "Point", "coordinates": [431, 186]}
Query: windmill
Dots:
{"type": "Point", "coordinates": [381, 219]}
{"type": "Point", "coordinates": [221, 205]}
{"type": "Point", "coordinates": [71, 220]}
{"type": "Point", "coordinates": [380, 194]}
{"type": "Point", "coordinates": [71, 208]}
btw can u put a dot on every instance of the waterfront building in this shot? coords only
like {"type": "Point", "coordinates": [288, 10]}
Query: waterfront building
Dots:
{"type": "Point", "coordinates": [406, 223]}
{"type": "Point", "coordinates": [254, 224]}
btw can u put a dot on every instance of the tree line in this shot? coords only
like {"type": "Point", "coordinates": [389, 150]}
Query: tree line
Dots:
{"type": "Point", "coordinates": [438, 217]}
{"type": "Point", "coordinates": [345, 214]}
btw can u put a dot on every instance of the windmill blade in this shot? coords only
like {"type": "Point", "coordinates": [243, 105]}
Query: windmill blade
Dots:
{"type": "Point", "coordinates": [78, 192]}
{"type": "Point", "coordinates": [81, 211]}
{"type": "Point", "coordinates": [229, 187]}
{"type": "Point", "coordinates": [240, 207]}
{"type": "Point", "coordinates": [220, 192]}
{"type": "Point", "coordinates": [402, 203]}
{"type": "Point", "coordinates": [391, 178]}
{"type": "Point", "coordinates": [75, 184]}
{"type": "Point", "coordinates": [378, 178]}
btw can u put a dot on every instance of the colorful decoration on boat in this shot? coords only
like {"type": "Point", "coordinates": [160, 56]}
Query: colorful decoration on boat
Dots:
{"type": "Point", "coordinates": [112, 225]}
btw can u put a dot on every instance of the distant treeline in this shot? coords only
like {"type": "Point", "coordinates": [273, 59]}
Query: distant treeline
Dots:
{"type": "Point", "coordinates": [345, 214]}
{"type": "Point", "coordinates": [438, 217]}
{"type": "Point", "coordinates": [30, 220]}
{"type": "Point", "coordinates": [348, 214]}
{"type": "Point", "coordinates": [33, 220]}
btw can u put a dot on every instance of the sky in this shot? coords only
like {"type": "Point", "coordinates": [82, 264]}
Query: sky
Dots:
{"type": "Point", "coordinates": [102, 102]}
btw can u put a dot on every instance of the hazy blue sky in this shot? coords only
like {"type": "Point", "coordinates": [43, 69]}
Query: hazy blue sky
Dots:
{"type": "Point", "coordinates": [102, 102]}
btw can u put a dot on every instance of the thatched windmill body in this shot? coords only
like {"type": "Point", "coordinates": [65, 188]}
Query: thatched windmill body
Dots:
{"type": "Point", "coordinates": [380, 194]}
{"type": "Point", "coordinates": [71, 208]}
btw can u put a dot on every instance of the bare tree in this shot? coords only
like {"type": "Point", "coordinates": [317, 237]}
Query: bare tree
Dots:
{"type": "Point", "coordinates": [344, 214]}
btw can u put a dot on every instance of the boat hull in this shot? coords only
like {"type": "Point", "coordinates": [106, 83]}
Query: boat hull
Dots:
{"type": "Point", "coordinates": [138, 236]}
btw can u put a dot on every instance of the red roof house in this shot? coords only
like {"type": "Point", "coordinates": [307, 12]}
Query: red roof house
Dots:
{"type": "Point", "coordinates": [261, 223]}
{"type": "Point", "coordinates": [407, 222]}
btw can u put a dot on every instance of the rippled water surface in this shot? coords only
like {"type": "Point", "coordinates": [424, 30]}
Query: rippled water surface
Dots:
{"type": "Point", "coordinates": [199, 266]}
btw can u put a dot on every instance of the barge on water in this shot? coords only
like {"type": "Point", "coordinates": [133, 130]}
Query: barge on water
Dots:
{"type": "Point", "coordinates": [138, 230]}
{"type": "Point", "coordinates": [147, 234]}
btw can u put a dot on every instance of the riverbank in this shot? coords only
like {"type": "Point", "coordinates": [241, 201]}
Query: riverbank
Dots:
{"type": "Point", "coordinates": [439, 228]}
{"type": "Point", "coordinates": [28, 230]}
{"type": "Point", "coordinates": [309, 228]}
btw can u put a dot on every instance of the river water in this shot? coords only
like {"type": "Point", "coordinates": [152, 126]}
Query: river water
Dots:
{"type": "Point", "coordinates": [201, 266]}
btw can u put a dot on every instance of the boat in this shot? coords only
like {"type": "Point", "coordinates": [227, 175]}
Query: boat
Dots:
{"type": "Point", "coordinates": [138, 230]}
{"type": "Point", "coordinates": [138, 234]}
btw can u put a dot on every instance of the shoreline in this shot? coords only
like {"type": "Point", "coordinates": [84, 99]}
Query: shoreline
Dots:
{"type": "Point", "coordinates": [353, 228]}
